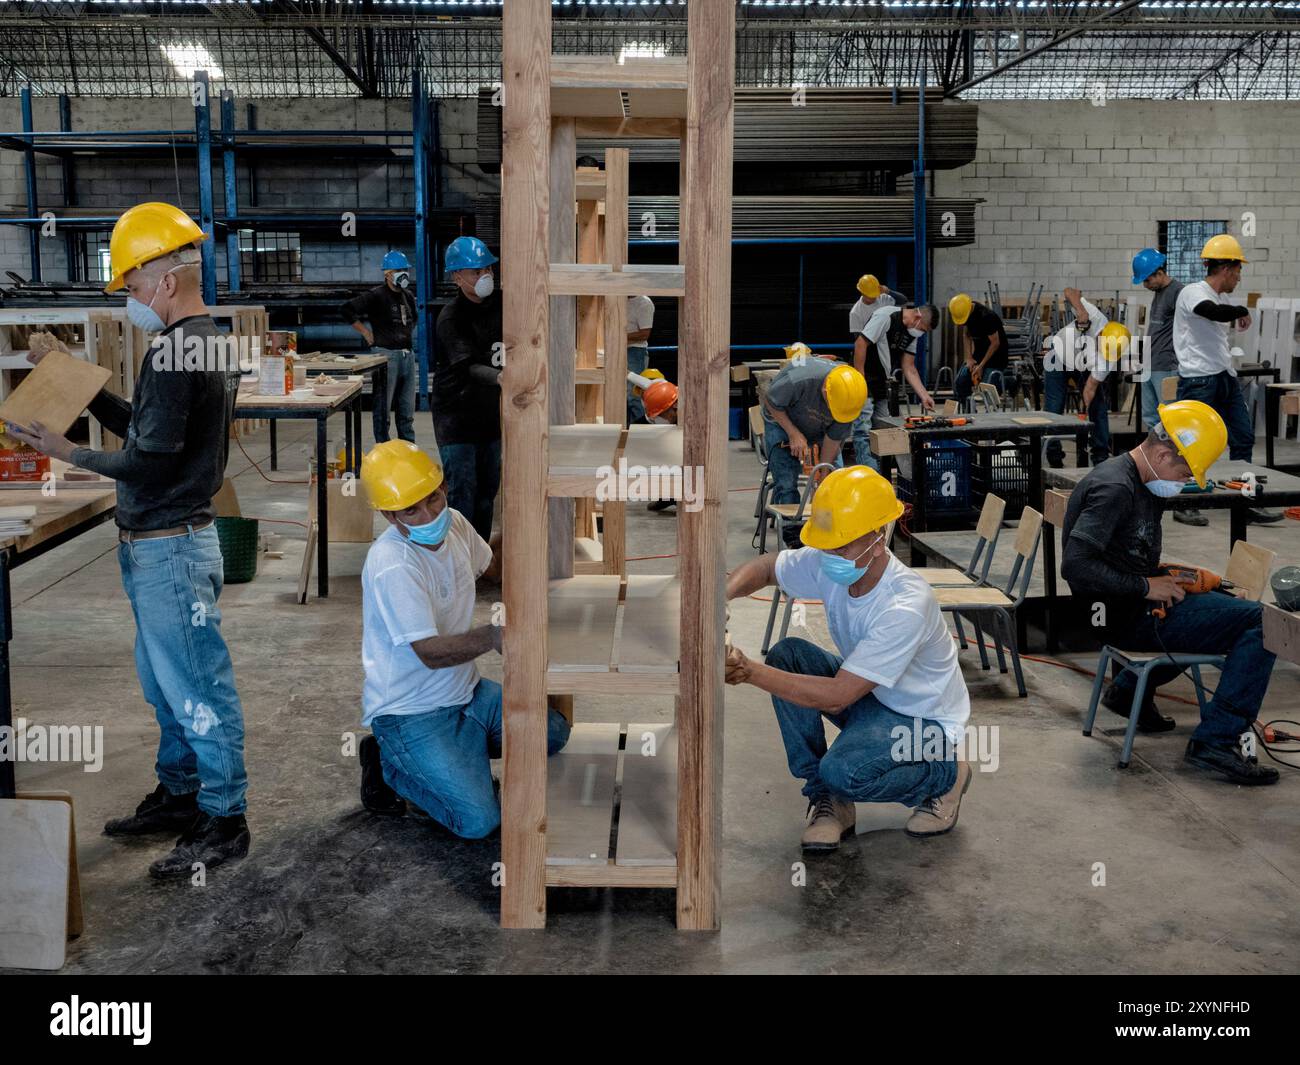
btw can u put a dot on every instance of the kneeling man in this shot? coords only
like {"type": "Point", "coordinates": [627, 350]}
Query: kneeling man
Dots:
{"type": "Point", "coordinates": [896, 668]}
{"type": "Point", "coordinates": [435, 721]}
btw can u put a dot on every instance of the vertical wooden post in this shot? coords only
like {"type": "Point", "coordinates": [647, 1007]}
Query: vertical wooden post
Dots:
{"type": "Point", "coordinates": [616, 165]}
{"type": "Point", "coordinates": [702, 372]}
{"type": "Point", "coordinates": [589, 250]}
{"type": "Point", "coordinates": [525, 191]}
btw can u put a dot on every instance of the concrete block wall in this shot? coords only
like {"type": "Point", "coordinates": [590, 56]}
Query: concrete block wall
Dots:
{"type": "Point", "coordinates": [1073, 191]}
{"type": "Point", "coordinates": [311, 184]}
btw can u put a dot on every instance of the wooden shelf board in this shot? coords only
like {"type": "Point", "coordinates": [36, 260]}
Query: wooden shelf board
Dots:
{"type": "Point", "coordinates": [651, 615]}
{"type": "Point", "coordinates": [577, 72]}
{"type": "Point", "coordinates": [611, 875]}
{"type": "Point", "coordinates": [580, 796]}
{"type": "Point", "coordinates": [580, 450]}
{"type": "Point", "coordinates": [626, 636]}
{"type": "Point", "coordinates": [659, 129]}
{"type": "Point", "coordinates": [592, 102]}
{"type": "Point", "coordinates": [581, 615]}
{"type": "Point", "coordinates": [647, 819]}
{"type": "Point", "coordinates": [600, 279]}
{"type": "Point", "coordinates": [589, 375]}
{"type": "Point", "coordinates": [656, 103]}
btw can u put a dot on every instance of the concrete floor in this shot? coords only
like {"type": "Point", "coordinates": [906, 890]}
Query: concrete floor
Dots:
{"type": "Point", "coordinates": [1200, 876]}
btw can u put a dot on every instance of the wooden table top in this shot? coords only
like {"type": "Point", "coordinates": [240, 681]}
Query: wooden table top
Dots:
{"type": "Point", "coordinates": [251, 401]}
{"type": "Point", "coordinates": [58, 513]}
{"type": "Point", "coordinates": [1020, 421]}
{"type": "Point", "coordinates": [351, 363]}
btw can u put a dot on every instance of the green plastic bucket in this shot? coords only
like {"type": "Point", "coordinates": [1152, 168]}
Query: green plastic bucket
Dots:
{"type": "Point", "coordinates": [238, 538]}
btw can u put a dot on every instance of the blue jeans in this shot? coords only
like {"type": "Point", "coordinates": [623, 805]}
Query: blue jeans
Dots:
{"type": "Point", "coordinates": [1151, 395]}
{"type": "Point", "coordinates": [860, 764]}
{"type": "Point", "coordinates": [870, 418]}
{"type": "Point", "coordinates": [962, 386]}
{"type": "Point", "coordinates": [1222, 392]}
{"type": "Point", "coordinates": [185, 671]}
{"type": "Point", "coordinates": [440, 760]}
{"type": "Point", "coordinates": [637, 361]}
{"type": "Point", "coordinates": [403, 376]}
{"type": "Point", "coordinates": [785, 472]}
{"type": "Point", "coordinates": [1054, 382]}
{"type": "Point", "coordinates": [1216, 624]}
{"type": "Point", "coordinates": [473, 473]}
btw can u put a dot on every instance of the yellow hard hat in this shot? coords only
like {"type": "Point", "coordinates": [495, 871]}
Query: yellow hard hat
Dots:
{"type": "Point", "coordinates": [1224, 246]}
{"type": "Point", "coordinates": [849, 503]}
{"type": "Point", "coordinates": [659, 397]}
{"type": "Point", "coordinates": [798, 348]}
{"type": "Point", "coordinates": [959, 308]}
{"type": "Point", "coordinates": [1113, 341]}
{"type": "Point", "coordinates": [1198, 432]}
{"type": "Point", "coordinates": [145, 232]}
{"type": "Point", "coordinates": [650, 373]}
{"type": "Point", "coordinates": [846, 392]}
{"type": "Point", "coordinates": [397, 474]}
{"type": "Point", "coordinates": [869, 286]}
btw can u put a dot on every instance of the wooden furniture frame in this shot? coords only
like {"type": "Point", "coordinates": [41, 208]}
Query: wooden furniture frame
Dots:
{"type": "Point", "coordinates": [560, 636]}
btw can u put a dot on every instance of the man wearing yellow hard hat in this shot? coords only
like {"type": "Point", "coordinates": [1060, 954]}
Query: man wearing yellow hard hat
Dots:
{"type": "Point", "coordinates": [175, 430]}
{"type": "Point", "coordinates": [1086, 349]}
{"type": "Point", "coordinates": [811, 403]}
{"type": "Point", "coordinates": [1111, 560]}
{"type": "Point", "coordinates": [435, 721]}
{"type": "Point", "coordinates": [1202, 321]}
{"type": "Point", "coordinates": [872, 296]}
{"type": "Point", "coordinates": [894, 682]}
{"type": "Point", "coordinates": [984, 344]}
{"type": "Point", "coordinates": [887, 343]}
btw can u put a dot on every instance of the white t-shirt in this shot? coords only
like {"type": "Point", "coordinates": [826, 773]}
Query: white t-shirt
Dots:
{"type": "Point", "coordinates": [1071, 333]}
{"type": "Point", "coordinates": [860, 313]}
{"type": "Point", "coordinates": [894, 635]}
{"type": "Point", "coordinates": [1200, 345]}
{"type": "Point", "coordinates": [640, 315]}
{"type": "Point", "coordinates": [409, 593]}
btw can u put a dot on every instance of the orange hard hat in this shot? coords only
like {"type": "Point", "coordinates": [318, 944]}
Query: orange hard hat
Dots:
{"type": "Point", "coordinates": [659, 397]}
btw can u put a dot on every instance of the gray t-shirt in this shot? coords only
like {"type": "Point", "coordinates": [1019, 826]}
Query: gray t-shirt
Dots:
{"type": "Point", "coordinates": [1160, 327]}
{"type": "Point", "coordinates": [797, 392]}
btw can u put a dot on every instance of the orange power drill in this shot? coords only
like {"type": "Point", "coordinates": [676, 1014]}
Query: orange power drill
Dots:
{"type": "Point", "coordinates": [1195, 580]}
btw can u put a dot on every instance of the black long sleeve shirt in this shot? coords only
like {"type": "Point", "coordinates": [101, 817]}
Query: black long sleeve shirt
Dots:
{"type": "Point", "coordinates": [391, 314]}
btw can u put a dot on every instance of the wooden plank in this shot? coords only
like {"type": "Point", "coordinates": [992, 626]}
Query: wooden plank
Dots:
{"type": "Point", "coordinates": [1030, 525]}
{"type": "Point", "coordinates": [706, 357]}
{"type": "Point", "coordinates": [583, 449]}
{"type": "Point", "coordinates": [654, 445]}
{"type": "Point", "coordinates": [656, 103]}
{"type": "Point", "coordinates": [1290, 403]}
{"type": "Point", "coordinates": [525, 244]}
{"type": "Point", "coordinates": [308, 553]}
{"type": "Point", "coordinates": [1248, 569]}
{"type": "Point", "coordinates": [55, 393]}
{"type": "Point", "coordinates": [590, 309]}
{"type": "Point", "coordinates": [580, 614]}
{"type": "Point", "coordinates": [587, 103]}
{"type": "Point", "coordinates": [580, 796]}
{"type": "Point", "coordinates": [649, 640]}
{"type": "Point", "coordinates": [564, 333]}
{"type": "Point", "coordinates": [57, 514]}
{"type": "Point", "coordinates": [1282, 633]}
{"type": "Point", "coordinates": [991, 514]}
{"type": "Point", "coordinates": [1055, 500]}
{"type": "Point", "coordinates": [35, 837]}
{"type": "Point", "coordinates": [597, 71]}
{"type": "Point", "coordinates": [629, 128]}
{"type": "Point", "coordinates": [614, 320]}
{"type": "Point", "coordinates": [647, 815]}
{"type": "Point", "coordinates": [610, 875]}
{"type": "Point", "coordinates": [588, 184]}
{"type": "Point", "coordinates": [625, 684]}
{"type": "Point", "coordinates": [598, 279]}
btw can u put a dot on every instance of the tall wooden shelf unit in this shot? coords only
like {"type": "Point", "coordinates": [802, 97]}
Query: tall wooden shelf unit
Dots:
{"type": "Point", "coordinates": [603, 632]}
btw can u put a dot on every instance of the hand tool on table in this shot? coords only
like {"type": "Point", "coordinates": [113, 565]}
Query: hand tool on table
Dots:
{"type": "Point", "coordinates": [932, 421]}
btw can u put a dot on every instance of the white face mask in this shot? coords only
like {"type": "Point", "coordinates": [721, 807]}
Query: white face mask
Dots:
{"type": "Point", "coordinates": [484, 286]}
{"type": "Point", "coordinates": [916, 334]}
{"type": "Point", "coordinates": [1160, 487]}
{"type": "Point", "coordinates": [142, 315]}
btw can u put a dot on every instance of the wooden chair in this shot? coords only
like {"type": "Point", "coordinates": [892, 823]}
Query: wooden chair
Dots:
{"type": "Point", "coordinates": [783, 513]}
{"type": "Point", "coordinates": [1000, 605]}
{"type": "Point", "coordinates": [988, 528]}
{"type": "Point", "coordinates": [1169, 390]}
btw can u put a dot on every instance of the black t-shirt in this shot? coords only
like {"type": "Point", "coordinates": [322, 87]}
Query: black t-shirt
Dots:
{"type": "Point", "coordinates": [391, 315]}
{"type": "Point", "coordinates": [1112, 538]}
{"type": "Point", "coordinates": [982, 324]}
{"type": "Point", "coordinates": [176, 427]}
{"type": "Point", "coordinates": [466, 409]}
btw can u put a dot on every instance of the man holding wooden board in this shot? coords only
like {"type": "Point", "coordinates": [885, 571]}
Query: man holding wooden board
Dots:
{"type": "Point", "coordinates": [894, 690]}
{"type": "Point", "coordinates": [176, 439]}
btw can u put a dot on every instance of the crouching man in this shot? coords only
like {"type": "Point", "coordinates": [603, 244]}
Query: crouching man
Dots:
{"type": "Point", "coordinates": [896, 668]}
{"type": "Point", "coordinates": [435, 721]}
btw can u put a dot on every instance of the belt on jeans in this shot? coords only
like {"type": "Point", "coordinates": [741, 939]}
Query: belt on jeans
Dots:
{"type": "Point", "coordinates": [126, 536]}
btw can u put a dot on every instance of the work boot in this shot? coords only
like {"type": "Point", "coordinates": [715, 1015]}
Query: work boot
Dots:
{"type": "Point", "coordinates": [829, 821]}
{"type": "Point", "coordinates": [1190, 517]}
{"type": "Point", "coordinates": [161, 811]}
{"type": "Point", "coordinates": [209, 841]}
{"type": "Point", "coordinates": [1230, 761]}
{"type": "Point", "coordinates": [1149, 719]}
{"type": "Point", "coordinates": [1259, 516]}
{"type": "Point", "coordinates": [376, 795]}
{"type": "Point", "coordinates": [938, 815]}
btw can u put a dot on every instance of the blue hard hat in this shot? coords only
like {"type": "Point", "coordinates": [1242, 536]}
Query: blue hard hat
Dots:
{"type": "Point", "coordinates": [1145, 263]}
{"type": "Point", "coordinates": [395, 260]}
{"type": "Point", "coordinates": [467, 253]}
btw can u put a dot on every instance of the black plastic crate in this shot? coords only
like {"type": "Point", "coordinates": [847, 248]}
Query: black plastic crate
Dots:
{"type": "Point", "coordinates": [943, 492]}
{"type": "Point", "coordinates": [1002, 469]}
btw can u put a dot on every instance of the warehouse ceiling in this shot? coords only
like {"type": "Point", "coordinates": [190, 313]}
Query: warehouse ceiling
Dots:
{"type": "Point", "coordinates": [974, 49]}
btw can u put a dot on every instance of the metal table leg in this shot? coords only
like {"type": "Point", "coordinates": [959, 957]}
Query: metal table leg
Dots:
{"type": "Point", "coordinates": [7, 787]}
{"type": "Point", "coordinates": [1035, 494]}
{"type": "Point", "coordinates": [322, 510]}
{"type": "Point", "coordinates": [1237, 518]}
{"type": "Point", "coordinates": [275, 461]}
{"type": "Point", "coordinates": [919, 491]}
{"type": "Point", "coordinates": [348, 444]}
{"type": "Point", "coordinates": [356, 434]}
{"type": "Point", "coordinates": [1272, 402]}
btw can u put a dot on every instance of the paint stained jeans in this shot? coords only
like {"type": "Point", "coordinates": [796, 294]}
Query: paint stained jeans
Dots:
{"type": "Point", "coordinates": [440, 760]}
{"type": "Point", "coordinates": [185, 671]}
{"type": "Point", "coordinates": [860, 764]}
{"type": "Point", "coordinates": [473, 473]}
{"type": "Point", "coordinates": [1222, 391]}
{"type": "Point", "coordinates": [1214, 624]}
{"type": "Point", "coordinates": [403, 375]}
{"type": "Point", "coordinates": [1054, 388]}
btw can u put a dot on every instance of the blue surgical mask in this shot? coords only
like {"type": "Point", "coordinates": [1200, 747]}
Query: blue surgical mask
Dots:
{"type": "Point", "coordinates": [1160, 487]}
{"type": "Point", "coordinates": [431, 533]}
{"type": "Point", "coordinates": [843, 570]}
{"type": "Point", "coordinates": [142, 315]}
